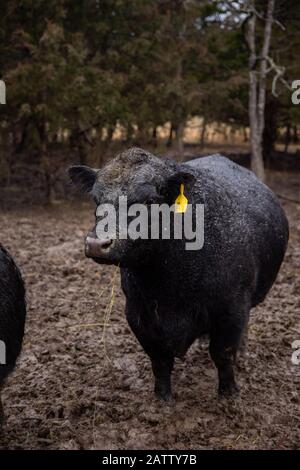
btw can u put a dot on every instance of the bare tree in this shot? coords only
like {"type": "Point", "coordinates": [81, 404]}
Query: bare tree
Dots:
{"type": "Point", "coordinates": [243, 13]}
{"type": "Point", "coordinates": [257, 82]}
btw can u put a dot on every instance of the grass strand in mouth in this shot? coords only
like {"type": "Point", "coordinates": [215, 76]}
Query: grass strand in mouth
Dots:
{"type": "Point", "coordinates": [108, 310]}
{"type": "Point", "coordinates": [104, 323]}
{"type": "Point", "coordinates": [107, 314]}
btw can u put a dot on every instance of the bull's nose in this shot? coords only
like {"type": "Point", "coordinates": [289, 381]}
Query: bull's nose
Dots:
{"type": "Point", "coordinates": [96, 248]}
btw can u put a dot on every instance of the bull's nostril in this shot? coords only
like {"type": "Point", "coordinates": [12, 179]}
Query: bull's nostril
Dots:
{"type": "Point", "coordinates": [106, 244]}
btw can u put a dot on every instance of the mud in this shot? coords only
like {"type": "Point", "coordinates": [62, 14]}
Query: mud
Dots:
{"type": "Point", "coordinates": [83, 382]}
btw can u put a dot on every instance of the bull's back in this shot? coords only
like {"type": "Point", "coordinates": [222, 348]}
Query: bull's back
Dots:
{"type": "Point", "coordinates": [251, 215]}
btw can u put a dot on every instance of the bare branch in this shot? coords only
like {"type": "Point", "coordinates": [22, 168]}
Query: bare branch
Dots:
{"type": "Point", "coordinates": [280, 24]}
{"type": "Point", "coordinates": [261, 17]}
{"type": "Point", "coordinates": [279, 72]}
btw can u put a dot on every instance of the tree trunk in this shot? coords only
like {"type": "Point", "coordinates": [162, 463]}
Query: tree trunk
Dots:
{"type": "Point", "coordinates": [179, 141]}
{"type": "Point", "coordinates": [110, 134]}
{"type": "Point", "coordinates": [106, 145]}
{"type": "Point", "coordinates": [170, 138]}
{"type": "Point", "coordinates": [256, 151]}
{"type": "Point", "coordinates": [45, 162]}
{"type": "Point", "coordinates": [257, 86]}
{"type": "Point", "coordinates": [270, 130]}
{"type": "Point", "coordinates": [203, 132]}
{"type": "Point", "coordinates": [82, 153]}
{"type": "Point", "coordinates": [154, 137]}
{"type": "Point", "coordinates": [287, 137]}
{"type": "Point", "coordinates": [49, 189]}
{"type": "Point", "coordinates": [295, 134]}
{"type": "Point", "coordinates": [129, 134]}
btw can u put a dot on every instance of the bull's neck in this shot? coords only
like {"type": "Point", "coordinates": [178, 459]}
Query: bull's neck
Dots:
{"type": "Point", "coordinates": [161, 277]}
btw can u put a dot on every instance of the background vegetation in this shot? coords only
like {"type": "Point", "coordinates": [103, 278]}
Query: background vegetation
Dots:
{"type": "Point", "coordinates": [85, 77]}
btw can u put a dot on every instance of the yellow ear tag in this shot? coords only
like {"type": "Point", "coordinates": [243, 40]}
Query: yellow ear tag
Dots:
{"type": "Point", "coordinates": [181, 201]}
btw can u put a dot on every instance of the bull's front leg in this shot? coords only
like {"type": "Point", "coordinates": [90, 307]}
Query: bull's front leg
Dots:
{"type": "Point", "coordinates": [162, 361]}
{"type": "Point", "coordinates": [151, 339]}
{"type": "Point", "coordinates": [162, 369]}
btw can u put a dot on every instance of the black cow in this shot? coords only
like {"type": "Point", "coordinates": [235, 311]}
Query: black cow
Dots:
{"type": "Point", "coordinates": [174, 295]}
{"type": "Point", "coordinates": [12, 315]}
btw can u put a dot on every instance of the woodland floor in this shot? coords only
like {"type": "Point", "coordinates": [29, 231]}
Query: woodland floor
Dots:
{"type": "Point", "coordinates": [79, 385]}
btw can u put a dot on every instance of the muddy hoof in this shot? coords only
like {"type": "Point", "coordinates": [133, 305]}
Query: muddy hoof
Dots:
{"type": "Point", "coordinates": [165, 395]}
{"type": "Point", "coordinates": [228, 390]}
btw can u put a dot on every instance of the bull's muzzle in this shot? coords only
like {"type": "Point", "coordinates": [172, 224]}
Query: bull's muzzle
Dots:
{"type": "Point", "coordinates": [97, 248]}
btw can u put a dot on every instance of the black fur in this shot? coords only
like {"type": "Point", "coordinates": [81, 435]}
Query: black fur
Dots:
{"type": "Point", "coordinates": [173, 296]}
{"type": "Point", "coordinates": [12, 312]}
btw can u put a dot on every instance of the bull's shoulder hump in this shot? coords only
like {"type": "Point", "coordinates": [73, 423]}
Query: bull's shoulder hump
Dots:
{"type": "Point", "coordinates": [218, 174]}
{"type": "Point", "coordinates": [205, 160]}
{"type": "Point", "coordinates": [213, 161]}
{"type": "Point", "coordinates": [221, 167]}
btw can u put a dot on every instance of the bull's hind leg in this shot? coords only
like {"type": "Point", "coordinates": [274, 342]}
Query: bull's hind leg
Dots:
{"type": "Point", "coordinates": [242, 351]}
{"type": "Point", "coordinates": [225, 338]}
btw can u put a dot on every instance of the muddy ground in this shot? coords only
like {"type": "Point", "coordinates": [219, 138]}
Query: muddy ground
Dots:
{"type": "Point", "coordinates": [81, 385]}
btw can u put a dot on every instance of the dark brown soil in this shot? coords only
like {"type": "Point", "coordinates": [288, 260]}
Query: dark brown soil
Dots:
{"type": "Point", "coordinates": [79, 385]}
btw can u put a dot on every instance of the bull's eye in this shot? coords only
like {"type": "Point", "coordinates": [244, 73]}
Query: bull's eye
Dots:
{"type": "Point", "coordinates": [150, 201]}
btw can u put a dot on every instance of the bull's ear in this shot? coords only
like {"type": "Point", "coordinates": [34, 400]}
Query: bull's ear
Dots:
{"type": "Point", "coordinates": [182, 177]}
{"type": "Point", "coordinates": [83, 177]}
{"type": "Point", "coordinates": [174, 182]}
